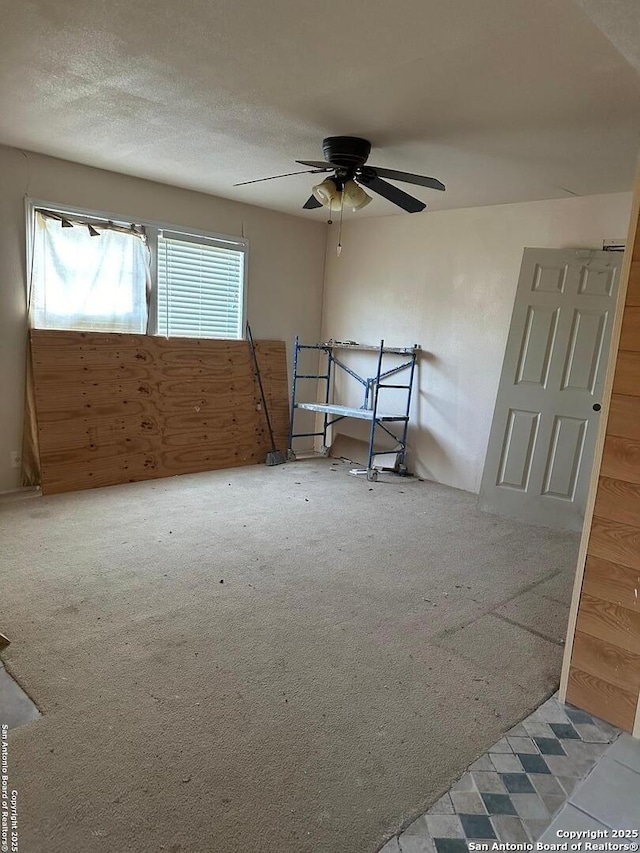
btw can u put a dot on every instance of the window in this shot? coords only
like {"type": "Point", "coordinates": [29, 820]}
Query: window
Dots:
{"type": "Point", "coordinates": [87, 282]}
{"type": "Point", "coordinates": [90, 274]}
{"type": "Point", "coordinates": [200, 287]}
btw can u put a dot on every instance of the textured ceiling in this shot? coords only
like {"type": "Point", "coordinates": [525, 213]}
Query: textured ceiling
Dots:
{"type": "Point", "coordinates": [503, 100]}
{"type": "Point", "coordinates": [619, 20]}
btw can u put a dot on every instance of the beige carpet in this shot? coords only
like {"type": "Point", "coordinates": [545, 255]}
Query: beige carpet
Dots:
{"type": "Point", "coordinates": [368, 642]}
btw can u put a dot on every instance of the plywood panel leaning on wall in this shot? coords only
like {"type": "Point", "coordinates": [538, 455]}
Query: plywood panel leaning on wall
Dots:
{"type": "Point", "coordinates": [122, 408]}
{"type": "Point", "coordinates": [602, 661]}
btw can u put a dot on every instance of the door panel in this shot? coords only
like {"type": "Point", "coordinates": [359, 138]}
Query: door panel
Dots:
{"type": "Point", "coordinates": [584, 350]}
{"type": "Point", "coordinates": [565, 457]}
{"type": "Point", "coordinates": [517, 449]}
{"type": "Point", "coordinates": [548, 278]}
{"type": "Point", "coordinates": [537, 345]}
{"type": "Point", "coordinates": [597, 281]}
{"type": "Point", "coordinates": [544, 426]}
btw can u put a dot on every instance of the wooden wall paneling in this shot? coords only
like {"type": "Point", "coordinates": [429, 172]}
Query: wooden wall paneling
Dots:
{"type": "Point", "coordinates": [121, 408]}
{"type": "Point", "coordinates": [630, 335]}
{"type": "Point", "coordinates": [621, 459]}
{"type": "Point", "coordinates": [615, 541]}
{"type": "Point", "coordinates": [624, 416]}
{"type": "Point", "coordinates": [601, 668]}
{"type": "Point", "coordinates": [627, 375]}
{"type": "Point", "coordinates": [633, 290]}
{"type": "Point", "coordinates": [616, 625]}
{"type": "Point", "coordinates": [612, 582]}
{"type": "Point", "coordinates": [618, 500]}
{"type": "Point", "coordinates": [602, 698]}
{"type": "Point", "coordinates": [607, 662]}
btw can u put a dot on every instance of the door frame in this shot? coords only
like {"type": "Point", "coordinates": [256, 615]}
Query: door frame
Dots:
{"type": "Point", "coordinates": [607, 390]}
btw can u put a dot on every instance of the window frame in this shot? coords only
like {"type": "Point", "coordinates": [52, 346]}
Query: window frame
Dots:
{"type": "Point", "coordinates": [152, 228]}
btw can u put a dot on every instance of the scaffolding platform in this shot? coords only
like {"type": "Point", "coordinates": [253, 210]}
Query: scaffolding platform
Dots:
{"type": "Point", "coordinates": [349, 412]}
{"type": "Point", "coordinates": [369, 411]}
{"type": "Point", "coordinates": [365, 347]}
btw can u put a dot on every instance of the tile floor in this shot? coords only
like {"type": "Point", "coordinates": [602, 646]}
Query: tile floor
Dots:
{"type": "Point", "coordinates": [539, 773]}
{"type": "Point", "coordinates": [609, 798]}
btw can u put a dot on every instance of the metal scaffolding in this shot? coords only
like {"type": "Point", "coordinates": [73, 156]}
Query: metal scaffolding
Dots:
{"type": "Point", "coordinates": [369, 411]}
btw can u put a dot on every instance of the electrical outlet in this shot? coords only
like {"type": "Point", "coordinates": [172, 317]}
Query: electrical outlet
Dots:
{"type": "Point", "coordinates": [16, 458]}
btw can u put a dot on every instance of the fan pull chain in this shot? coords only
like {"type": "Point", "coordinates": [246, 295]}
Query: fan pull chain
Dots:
{"type": "Point", "coordinates": [339, 246]}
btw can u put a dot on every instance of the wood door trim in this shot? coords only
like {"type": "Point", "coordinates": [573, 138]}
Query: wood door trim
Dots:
{"type": "Point", "coordinates": [599, 447]}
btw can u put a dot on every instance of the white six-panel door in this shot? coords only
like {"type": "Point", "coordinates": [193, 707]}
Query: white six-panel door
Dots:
{"type": "Point", "coordinates": [544, 426]}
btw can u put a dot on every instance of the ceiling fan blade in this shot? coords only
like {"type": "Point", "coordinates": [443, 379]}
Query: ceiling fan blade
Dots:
{"type": "Point", "coordinates": [397, 196]}
{"type": "Point", "coordinates": [311, 203]}
{"type": "Point", "coordinates": [317, 164]}
{"type": "Point", "coordinates": [408, 178]}
{"type": "Point", "coordinates": [287, 175]}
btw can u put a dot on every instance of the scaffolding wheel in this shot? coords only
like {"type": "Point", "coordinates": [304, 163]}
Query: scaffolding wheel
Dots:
{"type": "Point", "coordinates": [291, 456]}
{"type": "Point", "coordinates": [402, 470]}
{"type": "Point", "coordinates": [372, 474]}
{"type": "Point", "coordinates": [324, 450]}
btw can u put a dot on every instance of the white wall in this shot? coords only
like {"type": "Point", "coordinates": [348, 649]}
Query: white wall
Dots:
{"type": "Point", "coordinates": [286, 259]}
{"type": "Point", "coordinates": [447, 280]}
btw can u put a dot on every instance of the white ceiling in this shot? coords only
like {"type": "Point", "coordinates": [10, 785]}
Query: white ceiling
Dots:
{"type": "Point", "coordinates": [503, 100]}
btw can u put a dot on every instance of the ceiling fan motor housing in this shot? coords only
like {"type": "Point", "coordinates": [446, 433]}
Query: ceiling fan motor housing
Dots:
{"type": "Point", "coordinates": [346, 152]}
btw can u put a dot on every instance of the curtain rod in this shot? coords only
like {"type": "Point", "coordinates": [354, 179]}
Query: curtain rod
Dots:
{"type": "Point", "coordinates": [108, 225]}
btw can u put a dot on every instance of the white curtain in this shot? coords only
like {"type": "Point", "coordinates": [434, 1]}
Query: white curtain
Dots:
{"type": "Point", "coordinates": [88, 283]}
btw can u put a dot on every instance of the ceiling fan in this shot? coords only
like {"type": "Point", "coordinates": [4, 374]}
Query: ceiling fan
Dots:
{"type": "Point", "coordinates": [346, 157]}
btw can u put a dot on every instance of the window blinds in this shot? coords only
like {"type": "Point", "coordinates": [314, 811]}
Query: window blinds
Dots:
{"type": "Point", "coordinates": [200, 287]}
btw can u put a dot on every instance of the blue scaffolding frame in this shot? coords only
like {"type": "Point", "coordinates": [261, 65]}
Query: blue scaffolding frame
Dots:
{"type": "Point", "coordinates": [369, 411]}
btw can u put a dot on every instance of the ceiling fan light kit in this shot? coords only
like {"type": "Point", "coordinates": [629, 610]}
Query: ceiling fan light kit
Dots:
{"type": "Point", "coordinates": [327, 192]}
{"type": "Point", "coordinates": [332, 194]}
{"type": "Point", "coordinates": [346, 156]}
{"type": "Point", "coordinates": [354, 196]}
